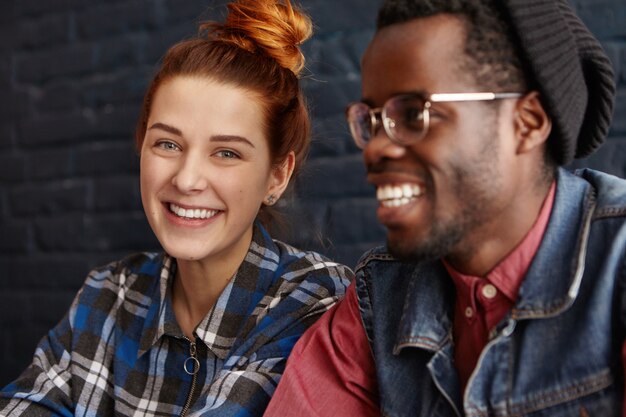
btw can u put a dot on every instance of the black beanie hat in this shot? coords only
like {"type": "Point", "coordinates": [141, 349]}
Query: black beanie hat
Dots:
{"type": "Point", "coordinates": [571, 70]}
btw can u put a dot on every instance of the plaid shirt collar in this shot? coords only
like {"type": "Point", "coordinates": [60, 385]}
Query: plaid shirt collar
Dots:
{"type": "Point", "coordinates": [218, 329]}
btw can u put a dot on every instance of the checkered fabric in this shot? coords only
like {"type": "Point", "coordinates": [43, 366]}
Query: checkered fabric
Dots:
{"type": "Point", "coordinates": [119, 350]}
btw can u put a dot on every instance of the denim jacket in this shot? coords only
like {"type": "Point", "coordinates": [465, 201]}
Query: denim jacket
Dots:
{"type": "Point", "coordinates": [556, 353]}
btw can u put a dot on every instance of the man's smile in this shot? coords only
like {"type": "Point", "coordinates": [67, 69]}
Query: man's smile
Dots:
{"type": "Point", "coordinates": [396, 195]}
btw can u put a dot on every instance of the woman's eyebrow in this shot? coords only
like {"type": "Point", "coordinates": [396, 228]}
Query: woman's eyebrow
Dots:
{"type": "Point", "coordinates": [214, 138]}
{"type": "Point", "coordinates": [167, 128]}
{"type": "Point", "coordinates": [231, 138]}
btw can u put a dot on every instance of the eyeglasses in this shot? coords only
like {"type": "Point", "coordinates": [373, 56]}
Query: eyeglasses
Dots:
{"type": "Point", "coordinates": [405, 117]}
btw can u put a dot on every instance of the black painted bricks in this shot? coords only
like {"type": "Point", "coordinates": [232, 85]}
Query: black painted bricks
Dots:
{"type": "Point", "coordinates": [72, 76]}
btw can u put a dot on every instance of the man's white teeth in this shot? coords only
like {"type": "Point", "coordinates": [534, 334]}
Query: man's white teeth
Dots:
{"type": "Point", "coordinates": [397, 195]}
{"type": "Point", "coordinates": [192, 213]}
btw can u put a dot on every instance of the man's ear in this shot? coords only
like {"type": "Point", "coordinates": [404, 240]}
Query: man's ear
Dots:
{"type": "Point", "coordinates": [281, 174]}
{"type": "Point", "coordinates": [532, 123]}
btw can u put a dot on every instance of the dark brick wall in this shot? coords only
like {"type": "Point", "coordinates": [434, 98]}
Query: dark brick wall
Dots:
{"type": "Point", "coordinates": [72, 74]}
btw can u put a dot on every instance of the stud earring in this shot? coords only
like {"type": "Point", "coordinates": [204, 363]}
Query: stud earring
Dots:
{"type": "Point", "coordinates": [271, 199]}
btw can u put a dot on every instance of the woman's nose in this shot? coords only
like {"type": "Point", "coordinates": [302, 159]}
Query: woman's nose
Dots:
{"type": "Point", "coordinates": [191, 175]}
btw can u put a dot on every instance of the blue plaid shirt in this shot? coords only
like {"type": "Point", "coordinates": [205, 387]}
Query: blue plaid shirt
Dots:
{"type": "Point", "coordinates": [119, 350]}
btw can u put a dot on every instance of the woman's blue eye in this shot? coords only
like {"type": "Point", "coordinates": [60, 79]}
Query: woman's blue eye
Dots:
{"type": "Point", "coordinates": [167, 145]}
{"type": "Point", "coordinates": [227, 154]}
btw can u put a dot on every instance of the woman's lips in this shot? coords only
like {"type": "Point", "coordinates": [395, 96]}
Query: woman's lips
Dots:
{"type": "Point", "coordinates": [192, 213]}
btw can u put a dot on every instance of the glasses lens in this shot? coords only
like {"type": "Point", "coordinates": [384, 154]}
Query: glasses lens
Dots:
{"type": "Point", "coordinates": [360, 122]}
{"type": "Point", "coordinates": [404, 118]}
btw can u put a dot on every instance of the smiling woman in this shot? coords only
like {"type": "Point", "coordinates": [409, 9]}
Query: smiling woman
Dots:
{"type": "Point", "coordinates": [205, 172]}
{"type": "Point", "coordinates": [204, 327]}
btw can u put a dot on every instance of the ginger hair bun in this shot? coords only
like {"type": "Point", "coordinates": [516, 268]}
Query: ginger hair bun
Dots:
{"type": "Point", "coordinates": [272, 27]}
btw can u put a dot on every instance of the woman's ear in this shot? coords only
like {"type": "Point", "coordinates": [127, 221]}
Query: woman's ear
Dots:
{"type": "Point", "coordinates": [280, 176]}
{"type": "Point", "coordinates": [532, 123]}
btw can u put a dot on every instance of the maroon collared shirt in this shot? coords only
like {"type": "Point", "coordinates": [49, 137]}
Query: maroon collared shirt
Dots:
{"type": "Point", "coordinates": [482, 302]}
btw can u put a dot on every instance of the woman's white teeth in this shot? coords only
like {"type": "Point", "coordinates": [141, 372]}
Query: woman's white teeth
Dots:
{"type": "Point", "coordinates": [192, 213]}
{"type": "Point", "coordinates": [397, 195]}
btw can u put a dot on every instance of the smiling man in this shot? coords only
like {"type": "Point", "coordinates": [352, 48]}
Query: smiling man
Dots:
{"type": "Point", "coordinates": [501, 290]}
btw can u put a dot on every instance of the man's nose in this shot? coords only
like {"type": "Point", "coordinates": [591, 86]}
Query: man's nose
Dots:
{"type": "Point", "coordinates": [382, 147]}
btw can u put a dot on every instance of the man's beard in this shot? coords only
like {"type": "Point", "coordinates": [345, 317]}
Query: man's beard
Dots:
{"type": "Point", "coordinates": [446, 234]}
{"type": "Point", "coordinates": [441, 241]}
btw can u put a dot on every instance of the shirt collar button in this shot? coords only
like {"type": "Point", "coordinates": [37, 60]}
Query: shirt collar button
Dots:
{"type": "Point", "coordinates": [489, 291]}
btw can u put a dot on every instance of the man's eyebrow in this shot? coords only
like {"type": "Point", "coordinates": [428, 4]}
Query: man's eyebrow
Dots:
{"type": "Point", "coordinates": [421, 93]}
{"type": "Point", "coordinates": [231, 138]}
{"type": "Point", "coordinates": [167, 128]}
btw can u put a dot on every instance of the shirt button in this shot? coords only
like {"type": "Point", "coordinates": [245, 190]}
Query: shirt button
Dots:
{"type": "Point", "coordinates": [489, 291]}
{"type": "Point", "coordinates": [469, 312]}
